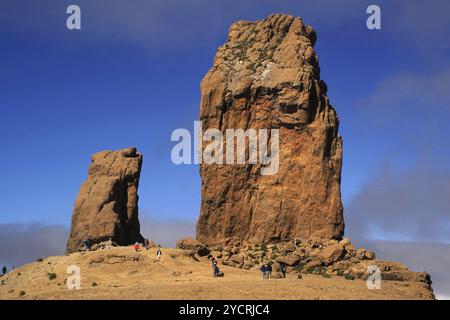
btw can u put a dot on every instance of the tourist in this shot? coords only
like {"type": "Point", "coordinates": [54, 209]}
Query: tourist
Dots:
{"type": "Point", "coordinates": [213, 265]}
{"type": "Point", "coordinates": [264, 271]}
{"type": "Point", "coordinates": [269, 271]}
{"type": "Point", "coordinates": [147, 244]}
{"type": "Point", "coordinates": [4, 269]}
{"type": "Point", "coordinates": [87, 244]}
{"type": "Point", "coordinates": [216, 270]}
{"type": "Point", "coordinates": [137, 248]}
{"type": "Point", "coordinates": [283, 270]}
{"type": "Point", "coordinates": [158, 253]}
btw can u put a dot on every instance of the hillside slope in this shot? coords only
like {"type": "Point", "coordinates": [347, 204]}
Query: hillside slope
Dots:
{"type": "Point", "coordinates": [122, 273]}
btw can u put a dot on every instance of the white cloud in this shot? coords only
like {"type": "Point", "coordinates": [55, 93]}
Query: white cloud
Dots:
{"type": "Point", "coordinates": [433, 258]}
{"type": "Point", "coordinates": [22, 243]}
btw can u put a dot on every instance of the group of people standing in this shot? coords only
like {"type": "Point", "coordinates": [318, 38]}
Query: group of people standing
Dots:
{"type": "Point", "coordinates": [266, 270]}
{"type": "Point", "coordinates": [147, 246]}
{"type": "Point", "coordinates": [137, 247]}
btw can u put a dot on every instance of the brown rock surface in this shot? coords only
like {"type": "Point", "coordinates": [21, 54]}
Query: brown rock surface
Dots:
{"type": "Point", "coordinates": [332, 253]}
{"type": "Point", "coordinates": [107, 205]}
{"type": "Point", "coordinates": [267, 76]}
{"type": "Point", "coordinates": [290, 260]}
{"type": "Point", "coordinates": [194, 245]}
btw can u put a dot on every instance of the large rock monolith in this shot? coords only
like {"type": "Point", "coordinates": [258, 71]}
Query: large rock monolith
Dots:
{"type": "Point", "coordinates": [267, 76]}
{"type": "Point", "coordinates": [107, 205]}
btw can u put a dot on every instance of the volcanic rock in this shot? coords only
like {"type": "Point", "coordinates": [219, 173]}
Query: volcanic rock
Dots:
{"type": "Point", "coordinates": [267, 76]}
{"type": "Point", "coordinates": [194, 245]}
{"type": "Point", "coordinates": [290, 260]}
{"type": "Point", "coordinates": [107, 204]}
{"type": "Point", "coordinates": [332, 253]}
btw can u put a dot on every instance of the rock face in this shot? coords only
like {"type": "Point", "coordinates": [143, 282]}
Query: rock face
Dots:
{"type": "Point", "coordinates": [267, 76]}
{"type": "Point", "coordinates": [107, 205]}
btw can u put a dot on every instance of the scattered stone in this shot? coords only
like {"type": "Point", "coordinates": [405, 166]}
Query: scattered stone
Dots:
{"type": "Point", "coordinates": [369, 255]}
{"type": "Point", "coordinates": [289, 247]}
{"type": "Point", "coordinates": [192, 244]}
{"type": "Point", "coordinates": [315, 262]}
{"type": "Point", "coordinates": [289, 260]}
{"type": "Point", "coordinates": [332, 253]}
{"type": "Point", "coordinates": [111, 258]}
{"type": "Point", "coordinates": [345, 242]}
{"type": "Point", "coordinates": [361, 253]}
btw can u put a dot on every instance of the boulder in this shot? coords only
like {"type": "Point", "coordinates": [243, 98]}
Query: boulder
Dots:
{"type": "Point", "coordinates": [345, 242]}
{"type": "Point", "coordinates": [289, 247]}
{"type": "Point", "coordinates": [313, 263]}
{"type": "Point", "coordinates": [332, 253]}
{"type": "Point", "coordinates": [192, 244]}
{"type": "Point", "coordinates": [238, 259]}
{"type": "Point", "coordinates": [369, 255]}
{"type": "Point", "coordinates": [289, 260]}
{"type": "Point", "coordinates": [216, 254]}
{"type": "Point", "coordinates": [361, 253]}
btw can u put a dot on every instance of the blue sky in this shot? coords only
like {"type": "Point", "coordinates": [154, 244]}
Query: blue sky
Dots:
{"type": "Point", "coordinates": [131, 76]}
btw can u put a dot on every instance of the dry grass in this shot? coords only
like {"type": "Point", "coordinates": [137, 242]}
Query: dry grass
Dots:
{"type": "Point", "coordinates": [121, 273]}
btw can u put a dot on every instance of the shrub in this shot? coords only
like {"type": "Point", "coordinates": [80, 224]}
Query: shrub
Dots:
{"type": "Point", "coordinates": [298, 268]}
{"type": "Point", "coordinates": [51, 275]}
{"type": "Point", "coordinates": [317, 270]}
{"type": "Point", "coordinates": [39, 259]}
{"type": "Point", "coordinates": [349, 277]}
{"type": "Point", "coordinates": [22, 293]}
{"type": "Point", "coordinates": [263, 247]}
{"type": "Point", "coordinates": [94, 284]}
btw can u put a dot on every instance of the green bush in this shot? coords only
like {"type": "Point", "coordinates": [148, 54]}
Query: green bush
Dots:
{"type": "Point", "coordinates": [298, 268]}
{"type": "Point", "coordinates": [349, 277]}
{"type": "Point", "coordinates": [263, 247]}
{"type": "Point", "coordinates": [51, 275]}
{"type": "Point", "coordinates": [317, 270]}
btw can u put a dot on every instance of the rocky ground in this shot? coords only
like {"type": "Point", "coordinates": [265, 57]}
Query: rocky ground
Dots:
{"type": "Point", "coordinates": [326, 258]}
{"type": "Point", "coordinates": [122, 273]}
